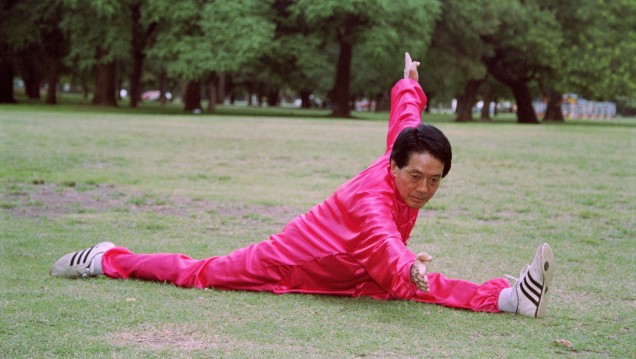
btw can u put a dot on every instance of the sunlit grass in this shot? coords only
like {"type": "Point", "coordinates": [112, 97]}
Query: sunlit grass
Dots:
{"type": "Point", "coordinates": [204, 185]}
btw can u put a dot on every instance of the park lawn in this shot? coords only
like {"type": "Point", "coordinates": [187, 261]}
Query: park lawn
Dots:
{"type": "Point", "coordinates": [204, 185]}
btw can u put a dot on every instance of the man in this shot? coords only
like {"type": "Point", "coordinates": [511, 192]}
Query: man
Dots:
{"type": "Point", "coordinates": [353, 243]}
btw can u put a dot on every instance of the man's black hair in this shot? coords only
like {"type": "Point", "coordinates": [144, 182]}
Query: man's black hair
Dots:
{"type": "Point", "coordinates": [422, 139]}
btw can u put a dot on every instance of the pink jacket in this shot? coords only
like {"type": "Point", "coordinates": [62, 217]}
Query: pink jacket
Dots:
{"type": "Point", "coordinates": [354, 243]}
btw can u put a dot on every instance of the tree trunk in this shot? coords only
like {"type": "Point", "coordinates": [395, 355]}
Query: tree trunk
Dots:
{"type": "Point", "coordinates": [340, 91]}
{"type": "Point", "coordinates": [259, 99]}
{"type": "Point", "coordinates": [192, 96]}
{"type": "Point", "coordinates": [229, 88]}
{"type": "Point", "coordinates": [525, 110]}
{"type": "Point", "coordinates": [6, 79]}
{"type": "Point", "coordinates": [212, 92]}
{"type": "Point", "coordinates": [553, 111]}
{"type": "Point", "coordinates": [485, 109]}
{"type": "Point", "coordinates": [51, 94]}
{"type": "Point", "coordinates": [54, 52]}
{"type": "Point", "coordinates": [105, 82]}
{"type": "Point", "coordinates": [250, 89]}
{"type": "Point", "coordinates": [273, 98]}
{"type": "Point", "coordinates": [32, 85]}
{"type": "Point", "coordinates": [137, 48]}
{"type": "Point", "coordinates": [163, 87]}
{"type": "Point", "coordinates": [466, 100]}
{"type": "Point", "coordinates": [382, 102]}
{"type": "Point", "coordinates": [305, 98]}
{"type": "Point", "coordinates": [427, 108]}
{"type": "Point", "coordinates": [517, 83]}
{"type": "Point", "coordinates": [220, 89]}
{"type": "Point", "coordinates": [29, 67]}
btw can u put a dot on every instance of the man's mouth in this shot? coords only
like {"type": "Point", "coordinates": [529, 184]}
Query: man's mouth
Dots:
{"type": "Point", "coordinates": [418, 199]}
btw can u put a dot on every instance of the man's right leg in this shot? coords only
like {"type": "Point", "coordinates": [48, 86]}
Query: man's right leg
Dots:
{"type": "Point", "coordinates": [239, 270]}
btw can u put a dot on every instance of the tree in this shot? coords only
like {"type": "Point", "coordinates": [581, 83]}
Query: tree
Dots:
{"type": "Point", "coordinates": [55, 47]}
{"type": "Point", "coordinates": [10, 22]}
{"type": "Point", "coordinates": [196, 38]}
{"type": "Point", "coordinates": [38, 45]}
{"type": "Point", "coordinates": [378, 60]}
{"type": "Point", "coordinates": [297, 58]}
{"type": "Point", "coordinates": [99, 35]}
{"type": "Point", "coordinates": [345, 23]}
{"type": "Point", "coordinates": [524, 50]}
{"type": "Point", "coordinates": [596, 56]}
{"type": "Point", "coordinates": [457, 49]}
{"type": "Point", "coordinates": [514, 42]}
{"type": "Point", "coordinates": [142, 32]}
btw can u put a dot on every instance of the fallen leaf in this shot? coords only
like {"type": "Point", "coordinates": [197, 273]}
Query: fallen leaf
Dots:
{"type": "Point", "coordinates": [565, 343]}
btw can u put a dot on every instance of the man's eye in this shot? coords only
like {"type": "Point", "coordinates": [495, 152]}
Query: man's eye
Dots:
{"type": "Point", "coordinates": [415, 177]}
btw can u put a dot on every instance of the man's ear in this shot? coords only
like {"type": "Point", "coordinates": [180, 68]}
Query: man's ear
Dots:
{"type": "Point", "coordinates": [394, 168]}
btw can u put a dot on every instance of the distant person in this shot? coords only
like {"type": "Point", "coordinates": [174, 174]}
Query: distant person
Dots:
{"type": "Point", "coordinates": [353, 243]}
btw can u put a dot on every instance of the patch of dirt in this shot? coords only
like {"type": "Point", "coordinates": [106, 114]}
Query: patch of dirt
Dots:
{"type": "Point", "coordinates": [54, 201]}
{"type": "Point", "coordinates": [169, 337]}
{"type": "Point", "coordinates": [184, 340]}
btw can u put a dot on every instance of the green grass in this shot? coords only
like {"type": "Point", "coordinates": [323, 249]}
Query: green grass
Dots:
{"type": "Point", "coordinates": [203, 185]}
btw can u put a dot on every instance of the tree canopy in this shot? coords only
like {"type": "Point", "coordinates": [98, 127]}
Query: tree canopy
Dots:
{"type": "Point", "coordinates": [331, 50]}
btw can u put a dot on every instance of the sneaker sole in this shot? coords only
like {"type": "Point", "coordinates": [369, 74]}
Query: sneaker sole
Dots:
{"type": "Point", "coordinates": [548, 273]}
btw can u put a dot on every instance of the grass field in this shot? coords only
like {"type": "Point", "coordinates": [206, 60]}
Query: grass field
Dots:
{"type": "Point", "coordinates": [204, 185]}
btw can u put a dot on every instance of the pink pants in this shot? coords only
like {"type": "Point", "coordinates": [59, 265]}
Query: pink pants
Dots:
{"type": "Point", "coordinates": [240, 271]}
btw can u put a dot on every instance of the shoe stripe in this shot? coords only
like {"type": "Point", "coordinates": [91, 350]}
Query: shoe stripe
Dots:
{"type": "Point", "coordinates": [536, 284]}
{"type": "Point", "coordinates": [88, 252]}
{"type": "Point", "coordinates": [530, 298]}
{"type": "Point", "coordinates": [536, 289]}
{"type": "Point", "coordinates": [79, 258]}
{"type": "Point", "coordinates": [73, 258]}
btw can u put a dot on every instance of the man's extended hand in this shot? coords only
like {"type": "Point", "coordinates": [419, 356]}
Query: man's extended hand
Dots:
{"type": "Point", "coordinates": [410, 67]}
{"type": "Point", "coordinates": [418, 271]}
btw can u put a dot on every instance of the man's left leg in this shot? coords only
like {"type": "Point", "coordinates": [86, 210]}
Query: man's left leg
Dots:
{"type": "Point", "coordinates": [457, 293]}
{"type": "Point", "coordinates": [529, 296]}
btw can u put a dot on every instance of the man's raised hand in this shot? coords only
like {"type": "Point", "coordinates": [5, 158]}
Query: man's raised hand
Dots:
{"type": "Point", "coordinates": [410, 67]}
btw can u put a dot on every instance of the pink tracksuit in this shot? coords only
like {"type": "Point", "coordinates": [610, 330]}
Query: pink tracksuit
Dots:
{"type": "Point", "coordinates": [352, 244]}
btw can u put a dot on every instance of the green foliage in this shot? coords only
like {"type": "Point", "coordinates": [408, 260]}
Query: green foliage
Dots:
{"type": "Point", "coordinates": [379, 59]}
{"type": "Point", "coordinates": [582, 46]}
{"type": "Point", "coordinates": [599, 48]}
{"type": "Point", "coordinates": [197, 37]}
{"type": "Point", "coordinates": [458, 45]}
{"type": "Point", "coordinates": [98, 31]}
{"type": "Point", "coordinates": [379, 30]}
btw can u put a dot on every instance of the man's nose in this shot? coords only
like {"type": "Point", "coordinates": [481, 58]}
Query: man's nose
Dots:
{"type": "Point", "coordinates": [422, 186]}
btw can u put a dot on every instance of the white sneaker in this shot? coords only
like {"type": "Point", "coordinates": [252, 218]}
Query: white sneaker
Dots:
{"type": "Point", "coordinates": [81, 264]}
{"type": "Point", "coordinates": [534, 282]}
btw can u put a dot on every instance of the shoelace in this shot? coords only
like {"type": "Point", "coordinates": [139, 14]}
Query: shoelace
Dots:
{"type": "Point", "coordinates": [524, 270]}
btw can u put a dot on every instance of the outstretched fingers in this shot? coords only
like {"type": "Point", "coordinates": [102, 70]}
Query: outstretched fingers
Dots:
{"type": "Point", "coordinates": [419, 269]}
{"type": "Point", "coordinates": [410, 67]}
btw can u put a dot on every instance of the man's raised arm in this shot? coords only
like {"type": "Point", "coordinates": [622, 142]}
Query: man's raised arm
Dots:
{"type": "Point", "coordinates": [407, 102]}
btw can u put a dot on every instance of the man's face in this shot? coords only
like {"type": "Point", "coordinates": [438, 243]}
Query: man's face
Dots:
{"type": "Point", "coordinates": [418, 181]}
